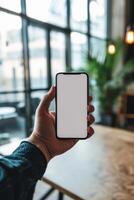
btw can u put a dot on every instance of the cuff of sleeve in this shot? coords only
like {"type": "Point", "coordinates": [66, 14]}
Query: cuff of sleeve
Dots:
{"type": "Point", "coordinates": [30, 152]}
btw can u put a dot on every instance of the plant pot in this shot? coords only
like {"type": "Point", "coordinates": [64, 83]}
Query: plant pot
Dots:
{"type": "Point", "coordinates": [108, 119]}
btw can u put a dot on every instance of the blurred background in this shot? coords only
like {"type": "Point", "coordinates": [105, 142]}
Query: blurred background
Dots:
{"type": "Point", "coordinates": [39, 38]}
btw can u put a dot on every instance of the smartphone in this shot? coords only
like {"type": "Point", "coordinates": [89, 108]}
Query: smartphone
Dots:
{"type": "Point", "coordinates": [71, 105]}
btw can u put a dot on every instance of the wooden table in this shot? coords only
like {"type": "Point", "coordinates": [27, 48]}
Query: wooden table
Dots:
{"type": "Point", "coordinates": [100, 168]}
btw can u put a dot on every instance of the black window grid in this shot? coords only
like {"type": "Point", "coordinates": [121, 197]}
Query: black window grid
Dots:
{"type": "Point", "coordinates": [26, 21]}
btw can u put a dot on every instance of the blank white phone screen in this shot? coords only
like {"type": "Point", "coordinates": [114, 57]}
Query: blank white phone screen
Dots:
{"type": "Point", "coordinates": [71, 105]}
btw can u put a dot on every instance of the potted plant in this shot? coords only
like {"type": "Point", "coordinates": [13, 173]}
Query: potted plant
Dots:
{"type": "Point", "coordinates": [109, 86]}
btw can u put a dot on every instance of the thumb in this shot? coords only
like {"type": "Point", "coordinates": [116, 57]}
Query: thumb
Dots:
{"type": "Point", "coordinates": [46, 100]}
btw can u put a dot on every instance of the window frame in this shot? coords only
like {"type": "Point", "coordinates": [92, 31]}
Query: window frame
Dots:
{"type": "Point", "coordinates": [26, 21]}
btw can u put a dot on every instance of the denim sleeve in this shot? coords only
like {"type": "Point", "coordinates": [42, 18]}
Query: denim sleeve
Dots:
{"type": "Point", "coordinates": [20, 171]}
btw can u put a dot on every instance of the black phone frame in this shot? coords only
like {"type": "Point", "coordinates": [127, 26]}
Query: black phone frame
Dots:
{"type": "Point", "coordinates": [70, 73]}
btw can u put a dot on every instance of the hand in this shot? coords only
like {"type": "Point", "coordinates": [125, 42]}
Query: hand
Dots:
{"type": "Point", "coordinates": [44, 134]}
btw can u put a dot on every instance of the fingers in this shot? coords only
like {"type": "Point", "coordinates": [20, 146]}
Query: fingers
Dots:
{"type": "Point", "coordinates": [90, 108]}
{"type": "Point", "coordinates": [45, 102]}
{"type": "Point", "coordinates": [90, 119]}
{"type": "Point", "coordinates": [90, 131]}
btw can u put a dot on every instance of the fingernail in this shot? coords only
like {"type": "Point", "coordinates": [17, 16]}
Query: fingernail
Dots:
{"type": "Point", "coordinates": [91, 130]}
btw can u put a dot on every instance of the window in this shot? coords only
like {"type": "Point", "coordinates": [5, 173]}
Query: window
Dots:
{"type": "Point", "coordinates": [79, 15]}
{"type": "Point", "coordinates": [98, 18]}
{"type": "Point", "coordinates": [12, 116]}
{"type": "Point", "coordinates": [79, 50]}
{"type": "Point", "coordinates": [57, 53]}
{"type": "Point", "coordinates": [97, 48]}
{"type": "Point", "coordinates": [11, 5]}
{"type": "Point", "coordinates": [11, 66]}
{"type": "Point", "coordinates": [38, 57]}
{"type": "Point", "coordinates": [52, 11]}
{"type": "Point", "coordinates": [53, 38]}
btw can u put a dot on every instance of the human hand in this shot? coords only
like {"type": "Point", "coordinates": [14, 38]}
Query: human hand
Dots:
{"type": "Point", "coordinates": [44, 133]}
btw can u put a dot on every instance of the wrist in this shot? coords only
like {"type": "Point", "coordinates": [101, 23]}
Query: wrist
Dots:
{"type": "Point", "coordinates": [40, 144]}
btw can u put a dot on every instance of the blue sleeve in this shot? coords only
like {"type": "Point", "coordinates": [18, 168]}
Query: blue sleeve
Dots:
{"type": "Point", "coordinates": [20, 172]}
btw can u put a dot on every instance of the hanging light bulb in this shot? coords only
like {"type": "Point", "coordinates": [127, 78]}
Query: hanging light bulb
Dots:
{"type": "Point", "coordinates": [129, 38]}
{"type": "Point", "coordinates": [111, 49]}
